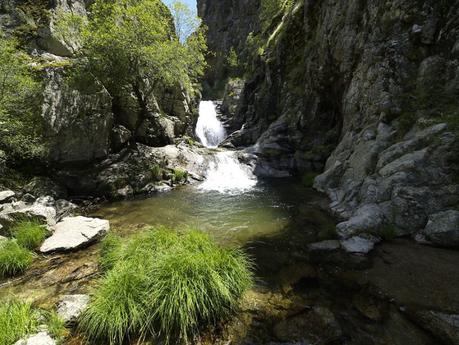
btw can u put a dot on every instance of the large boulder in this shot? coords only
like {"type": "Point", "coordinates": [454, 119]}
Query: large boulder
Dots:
{"type": "Point", "coordinates": [43, 209]}
{"type": "Point", "coordinates": [443, 228]}
{"type": "Point", "coordinates": [78, 122]}
{"type": "Point", "coordinates": [73, 233]}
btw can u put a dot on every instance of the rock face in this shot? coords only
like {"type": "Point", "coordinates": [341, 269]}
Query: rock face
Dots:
{"type": "Point", "coordinates": [78, 123]}
{"type": "Point", "coordinates": [363, 93]}
{"type": "Point", "coordinates": [229, 23]}
{"type": "Point", "coordinates": [73, 233]}
{"type": "Point", "coordinates": [6, 196]}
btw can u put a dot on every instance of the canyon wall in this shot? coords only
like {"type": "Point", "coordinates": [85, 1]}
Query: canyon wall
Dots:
{"type": "Point", "coordinates": [363, 93]}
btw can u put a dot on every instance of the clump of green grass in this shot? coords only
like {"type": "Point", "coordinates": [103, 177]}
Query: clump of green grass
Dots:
{"type": "Point", "coordinates": [179, 175]}
{"type": "Point", "coordinates": [17, 319]}
{"type": "Point", "coordinates": [167, 285]}
{"type": "Point", "coordinates": [14, 259]}
{"type": "Point", "coordinates": [55, 325]}
{"type": "Point", "coordinates": [157, 172]}
{"type": "Point", "coordinates": [29, 233]}
{"type": "Point", "coordinates": [308, 179]}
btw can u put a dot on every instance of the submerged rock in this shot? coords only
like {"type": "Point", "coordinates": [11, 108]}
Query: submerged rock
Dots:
{"type": "Point", "coordinates": [324, 246]}
{"type": "Point", "coordinates": [444, 326]}
{"type": "Point", "coordinates": [443, 229]}
{"type": "Point", "coordinates": [42, 338]}
{"type": "Point", "coordinates": [70, 307]}
{"type": "Point", "coordinates": [75, 232]}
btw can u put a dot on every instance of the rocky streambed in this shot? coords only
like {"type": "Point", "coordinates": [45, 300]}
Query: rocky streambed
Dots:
{"type": "Point", "coordinates": [311, 288]}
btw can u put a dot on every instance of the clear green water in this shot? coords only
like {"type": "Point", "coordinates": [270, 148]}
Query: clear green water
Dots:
{"type": "Point", "coordinates": [229, 218]}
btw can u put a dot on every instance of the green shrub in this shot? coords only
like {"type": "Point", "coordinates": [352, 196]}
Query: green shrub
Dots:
{"type": "Point", "coordinates": [16, 320]}
{"type": "Point", "coordinates": [308, 179]}
{"type": "Point", "coordinates": [14, 259]}
{"type": "Point", "coordinates": [29, 234]}
{"type": "Point", "coordinates": [166, 284]}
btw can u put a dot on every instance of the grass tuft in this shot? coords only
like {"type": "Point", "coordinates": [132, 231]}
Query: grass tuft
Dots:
{"type": "Point", "coordinates": [14, 259]}
{"type": "Point", "coordinates": [29, 234]}
{"type": "Point", "coordinates": [56, 325]}
{"type": "Point", "coordinates": [165, 284]}
{"type": "Point", "coordinates": [17, 319]}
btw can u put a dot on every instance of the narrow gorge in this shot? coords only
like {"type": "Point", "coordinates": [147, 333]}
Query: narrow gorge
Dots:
{"type": "Point", "coordinates": [229, 172]}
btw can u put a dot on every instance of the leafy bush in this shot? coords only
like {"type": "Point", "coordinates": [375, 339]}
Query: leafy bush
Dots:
{"type": "Point", "coordinates": [14, 259]}
{"type": "Point", "coordinates": [29, 234]}
{"type": "Point", "coordinates": [165, 284]}
{"type": "Point", "coordinates": [16, 320]}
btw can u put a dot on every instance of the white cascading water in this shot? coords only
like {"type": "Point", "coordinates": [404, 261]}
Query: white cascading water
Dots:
{"type": "Point", "coordinates": [209, 129]}
{"type": "Point", "coordinates": [226, 174]}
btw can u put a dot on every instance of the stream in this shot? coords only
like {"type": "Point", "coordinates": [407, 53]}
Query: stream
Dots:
{"type": "Point", "coordinates": [301, 297]}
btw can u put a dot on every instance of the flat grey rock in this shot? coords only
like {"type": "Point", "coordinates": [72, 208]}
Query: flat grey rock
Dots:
{"type": "Point", "coordinates": [359, 244]}
{"type": "Point", "coordinates": [70, 307]}
{"type": "Point", "coordinates": [75, 232]}
{"type": "Point", "coordinates": [41, 338]}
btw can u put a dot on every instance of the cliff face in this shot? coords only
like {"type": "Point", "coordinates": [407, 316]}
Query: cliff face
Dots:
{"type": "Point", "coordinates": [229, 23]}
{"type": "Point", "coordinates": [365, 93]}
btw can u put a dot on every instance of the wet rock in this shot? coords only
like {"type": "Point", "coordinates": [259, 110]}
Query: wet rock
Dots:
{"type": "Point", "coordinates": [42, 338]}
{"type": "Point", "coordinates": [125, 192]}
{"type": "Point", "coordinates": [442, 325]}
{"type": "Point", "coordinates": [6, 196]}
{"type": "Point", "coordinates": [70, 307]}
{"type": "Point", "coordinates": [28, 198]}
{"type": "Point", "coordinates": [366, 218]}
{"type": "Point", "coordinates": [152, 188]}
{"type": "Point", "coordinates": [65, 208]}
{"type": "Point", "coordinates": [443, 229]}
{"type": "Point", "coordinates": [359, 244]}
{"type": "Point", "coordinates": [324, 246]}
{"type": "Point", "coordinates": [75, 232]}
{"type": "Point", "coordinates": [44, 186]}
{"type": "Point", "coordinates": [310, 327]}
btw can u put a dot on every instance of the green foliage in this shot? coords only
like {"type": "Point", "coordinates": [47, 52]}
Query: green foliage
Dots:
{"type": "Point", "coordinates": [14, 259]}
{"type": "Point", "coordinates": [179, 175]}
{"type": "Point", "coordinates": [111, 249]}
{"type": "Point", "coordinates": [132, 44]}
{"type": "Point", "coordinates": [157, 172]}
{"type": "Point", "coordinates": [29, 234]}
{"type": "Point", "coordinates": [20, 121]}
{"type": "Point", "coordinates": [56, 325]}
{"type": "Point", "coordinates": [308, 179]}
{"type": "Point", "coordinates": [165, 284]}
{"type": "Point", "coordinates": [270, 9]}
{"type": "Point", "coordinates": [17, 319]}
{"type": "Point", "coordinates": [185, 22]}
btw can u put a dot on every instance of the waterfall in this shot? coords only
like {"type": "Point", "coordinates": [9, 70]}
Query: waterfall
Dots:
{"type": "Point", "coordinates": [209, 129]}
{"type": "Point", "coordinates": [226, 173]}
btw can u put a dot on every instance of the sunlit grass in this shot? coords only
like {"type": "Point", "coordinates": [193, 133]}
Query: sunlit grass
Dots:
{"type": "Point", "coordinates": [165, 284]}
{"type": "Point", "coordinates": [14, 259]}
{"type": "Point", "coordinates": [29, 234]}
{"type": "Point", "coordinates": [17, 319]}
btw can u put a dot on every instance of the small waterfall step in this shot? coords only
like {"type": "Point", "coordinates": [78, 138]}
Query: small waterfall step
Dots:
{"type": "Point", "coordinates": [209, 128]}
